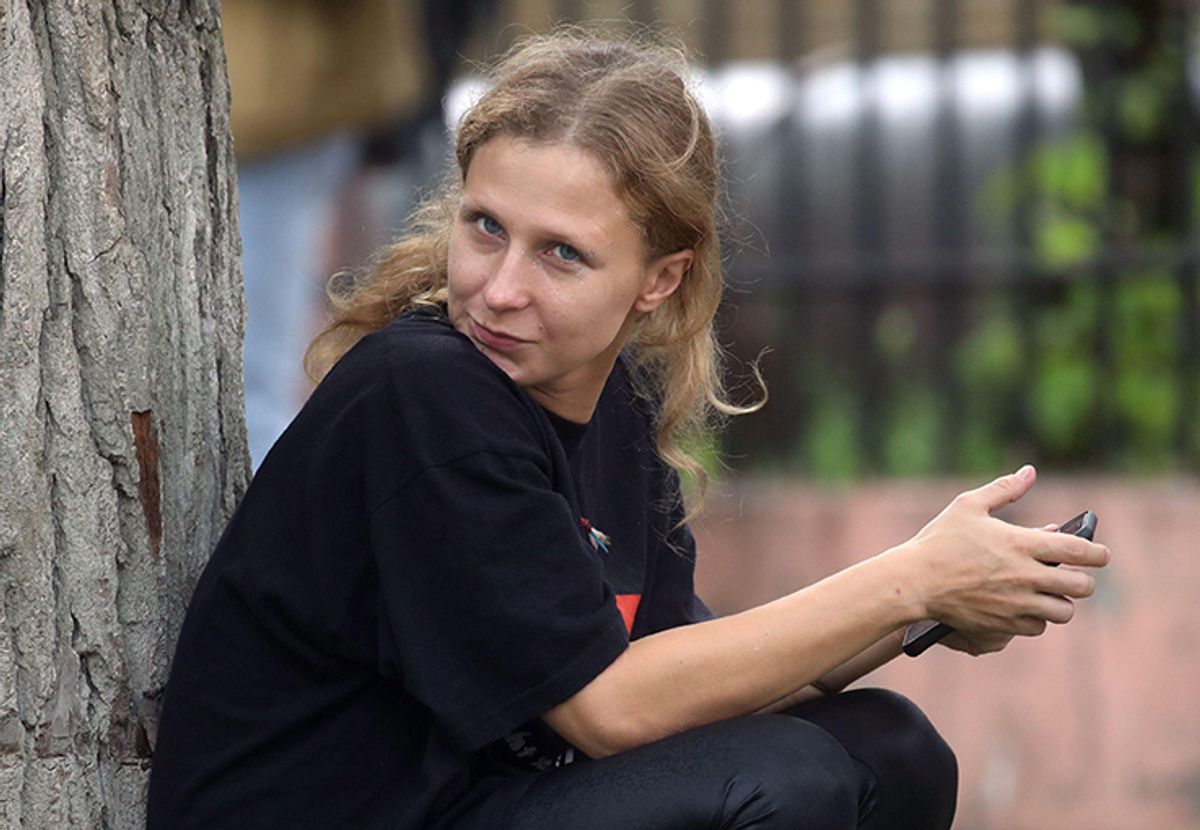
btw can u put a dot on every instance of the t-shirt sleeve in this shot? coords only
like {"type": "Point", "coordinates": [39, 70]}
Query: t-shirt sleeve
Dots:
{"type": "Point", "coordinates": [493, 608]}
{"type": "Point", "coordinates": [672, 599]}
{"type": "Point", "coordinates": [671, 596]}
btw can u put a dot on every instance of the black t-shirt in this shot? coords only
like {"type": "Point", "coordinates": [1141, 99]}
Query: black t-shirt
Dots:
{"type": "Point", "coordinates": [426, 562]}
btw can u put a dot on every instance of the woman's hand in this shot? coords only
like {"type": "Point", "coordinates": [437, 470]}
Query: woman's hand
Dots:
{"type": "Point", "coordinates": [982, 642]}
{"type": "Point", "coordinates": [976, 643]}
{"type": "Point", "coordinates": [989, 579]}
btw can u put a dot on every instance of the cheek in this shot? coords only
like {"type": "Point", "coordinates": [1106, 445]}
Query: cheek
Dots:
{"type": "Point", "coordinates": [583, 324]}
{"type": "Point", "coordinates": [458, 270]}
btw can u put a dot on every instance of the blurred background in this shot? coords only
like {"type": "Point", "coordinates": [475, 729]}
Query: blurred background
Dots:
{"type": "Point", "coordinates": [966, 230]}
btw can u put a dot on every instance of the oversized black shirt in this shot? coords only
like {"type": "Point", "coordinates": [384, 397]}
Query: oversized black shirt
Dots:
{"type": "Point", "coordinates": [425, 563]}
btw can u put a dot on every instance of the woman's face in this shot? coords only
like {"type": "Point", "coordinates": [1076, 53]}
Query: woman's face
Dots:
{"type": "Point", "coordinates": [547, 273]}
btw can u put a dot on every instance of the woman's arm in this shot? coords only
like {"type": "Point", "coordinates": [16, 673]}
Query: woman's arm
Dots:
{"type": "Point", "coordinates": [975, 572]}
{"type": "Point", "coordinates": [881, 653]}
{"type": "Point", "coordinates": [858, 666]}
{"type": "Point", "coordinates": [695, 674]}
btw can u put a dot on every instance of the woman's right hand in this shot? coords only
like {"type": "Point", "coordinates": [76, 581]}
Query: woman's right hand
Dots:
{"type": "Point", "coordinates": [989, 579]}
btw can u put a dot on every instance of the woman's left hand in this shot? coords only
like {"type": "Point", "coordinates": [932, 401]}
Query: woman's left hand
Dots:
{"type": "Point", "coordinates": [976, 643]}
{"type": "Point", "coordinates": [983, 642]}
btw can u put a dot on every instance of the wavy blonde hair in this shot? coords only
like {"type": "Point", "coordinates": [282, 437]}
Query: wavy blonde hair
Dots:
{"type": "Point", "coordinates": [628, 103]}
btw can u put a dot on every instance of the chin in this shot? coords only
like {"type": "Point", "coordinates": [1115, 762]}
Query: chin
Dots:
{"type": "Point", "coordinates": [506, 366]}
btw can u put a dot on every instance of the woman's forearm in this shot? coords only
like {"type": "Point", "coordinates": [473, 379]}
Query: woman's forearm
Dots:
{"type": "Point", "coordinates": [858, 666]}
{"type": "Point", "coordinates": [865, 662]}
{"type": "Point", "coordinates": [735, 665]}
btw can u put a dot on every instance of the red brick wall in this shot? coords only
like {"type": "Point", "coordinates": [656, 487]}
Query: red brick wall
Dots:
{"type": "Point", "coordinates": [1094, 725]}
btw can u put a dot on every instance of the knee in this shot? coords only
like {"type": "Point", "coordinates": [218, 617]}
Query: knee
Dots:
{"type": "Point", "coordinates": [905, 734]}
{"type": "Point", "coordinates": [791, 773]}
{"type": "Point", "coordinates": [907, 750]}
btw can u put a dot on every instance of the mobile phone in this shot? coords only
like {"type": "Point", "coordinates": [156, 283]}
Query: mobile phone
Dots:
{"type": "Point", "coordinates": [921, 635]}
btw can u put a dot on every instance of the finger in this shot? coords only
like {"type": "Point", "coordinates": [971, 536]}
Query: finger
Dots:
{"type": "Point", "coordinates": [1067, 583]}
{"type": "Point", "coordinates": [1064, 549]}
{"type": "Point", "coordinates": [1058, 610]}
{"type": "Point", "coordinates": [1029, 626]}
{"type": "Point", "coordinates": [991, 643]}
{"type": "Point", "coordinates": [1003, 490]}
{"type": "Point", "coordinates": [1051, 527]}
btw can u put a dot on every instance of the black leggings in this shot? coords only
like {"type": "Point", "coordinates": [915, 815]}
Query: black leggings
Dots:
{"type": "Point", "coordinates": [862, 759]}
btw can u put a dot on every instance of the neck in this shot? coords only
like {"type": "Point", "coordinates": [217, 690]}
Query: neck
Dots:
{"type": "Point", "coordinates": [575, 397]}
{"type": "Point", "coordinates": [575, 405]}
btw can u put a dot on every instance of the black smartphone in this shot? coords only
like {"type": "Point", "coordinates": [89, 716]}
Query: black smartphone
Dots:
{"type": "Point", "coordinates": [921, 635]}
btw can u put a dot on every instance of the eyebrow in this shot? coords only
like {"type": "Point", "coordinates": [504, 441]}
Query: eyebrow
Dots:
{"type": "Point", "coordinates": [589, 254]}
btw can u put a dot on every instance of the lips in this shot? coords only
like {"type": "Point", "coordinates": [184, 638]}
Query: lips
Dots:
{"type": "Point", "coordinates": [498, 340]}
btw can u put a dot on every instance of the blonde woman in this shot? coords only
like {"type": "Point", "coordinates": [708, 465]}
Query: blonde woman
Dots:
{"type": "Point", "coordinates": [458, 593]}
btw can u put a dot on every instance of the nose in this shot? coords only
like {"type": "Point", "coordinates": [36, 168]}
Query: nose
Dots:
{"type": "Point", "coordinates": [508, 286]}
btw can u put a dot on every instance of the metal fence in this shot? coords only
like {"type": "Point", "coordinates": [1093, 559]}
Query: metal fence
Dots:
{"type": "Point", "coordinates": [967, 232]}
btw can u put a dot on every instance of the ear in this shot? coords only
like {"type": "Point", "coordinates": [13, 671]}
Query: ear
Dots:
{"type": "Point", "coordinates": [663, 276]}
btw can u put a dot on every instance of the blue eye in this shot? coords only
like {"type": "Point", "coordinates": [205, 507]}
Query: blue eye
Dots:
{"type": "Point", "coordinates": [566, 253]}
{"type": "Point", "coordinates": [487, 224]}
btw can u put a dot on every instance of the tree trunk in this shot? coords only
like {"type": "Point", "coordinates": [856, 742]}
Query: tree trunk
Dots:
{"type": "Point", "coordinates": [122, 437]}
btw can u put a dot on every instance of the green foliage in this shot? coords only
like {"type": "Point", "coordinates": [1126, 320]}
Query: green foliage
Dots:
{"type": "Point", "coordinates": [981, 450]}
{"type": "Point", "coordinates": [1148, 312]}
{"type": "Point", "coordinates": [989, 360]}
{"type": "Point", "coordinates": [912, 432]}
{"type": "Point", "coordinates": [707, 451]}
{"type": "Point", "coordinates": [1033, 363]}
{"type": "Point", "coordinates": [988, 367]}
{"type": "Point", "coordinates": [1196, 182]}
{"type": "Point", "coordinates": [1029, 368]}
{"type": "Point", "coordinates": [1090, 26]}
{"type": "Point", "coordinates": [1145, 350]}
{"type": "Point", "coordinates": [910, 428]}
{"type": "Point", "coordinates": [1141, 106]}
{"type": "Point", "coordinates": [1145, 97]}
{"type": "Point", "coordinates": [1148, 404]}
{"type": "Point", "coordinates": [832, 447]}
{"type": "Point", "coordinates": [1194, 437]}
{"type": "Point", "coordinates": [1061, 242]}
{"type": "Point", "coordinates": [1071, 173]}
{"type": "Point", "coordinates": [1063, 395]}
{"type": "Point", "coordinates": [895, 334]}
{"type": "Point", "coordinates": [1067, 179]}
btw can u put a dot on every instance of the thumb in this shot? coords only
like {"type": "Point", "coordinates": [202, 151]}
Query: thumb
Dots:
{"type": "Point", "coordinates": [1005, 489]}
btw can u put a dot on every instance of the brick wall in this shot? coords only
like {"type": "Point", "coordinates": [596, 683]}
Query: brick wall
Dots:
{"type": "Point", "coordinates": [1093, 725]}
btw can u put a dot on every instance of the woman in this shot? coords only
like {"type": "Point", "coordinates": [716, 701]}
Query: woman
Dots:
{"type": "Point", "coordinates": [459, 594]}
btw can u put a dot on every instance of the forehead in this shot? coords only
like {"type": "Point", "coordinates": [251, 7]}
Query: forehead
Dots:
{"type": "Point", "coordinates": [552, 186]}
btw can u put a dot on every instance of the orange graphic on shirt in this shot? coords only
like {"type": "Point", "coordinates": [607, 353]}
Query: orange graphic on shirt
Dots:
{"type": "Point", "coordinates": [627, 604]}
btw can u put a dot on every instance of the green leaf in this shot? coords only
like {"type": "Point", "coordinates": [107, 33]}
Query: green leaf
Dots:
{"type": "Point", "coordinates": [1064, 242]}
{"type": "Point", "coordinates": [1079, 25]}
{"type": "Point", "coordinates": [913, 430]}
{"type": "Point", "coordinates": [895, 334]}
{"type": "Point", "coordinates": [832, 439]}
{"type": "Point", "coordinates": [1062, 398]}
{"type": "Point", "coordinates": [981, 450]}
{"type": "Point", "coordinates": [1148, 404]}
{"type": "Point", "coordinates": [1140, 107]}
{"type": "Point", "coordinates": [989, 358]}
{"type": "Point", "coordinates": [1072, 173]}
{"type": "Point", "coordinates": [1148, 309]}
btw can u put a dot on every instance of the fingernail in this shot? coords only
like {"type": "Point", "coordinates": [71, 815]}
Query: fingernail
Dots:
{"type": "Point", "coordinates": [1025, 473]}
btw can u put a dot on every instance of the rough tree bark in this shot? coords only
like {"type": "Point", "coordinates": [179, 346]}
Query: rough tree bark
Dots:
{"type": "Point", "coordinates": [122, 437]}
